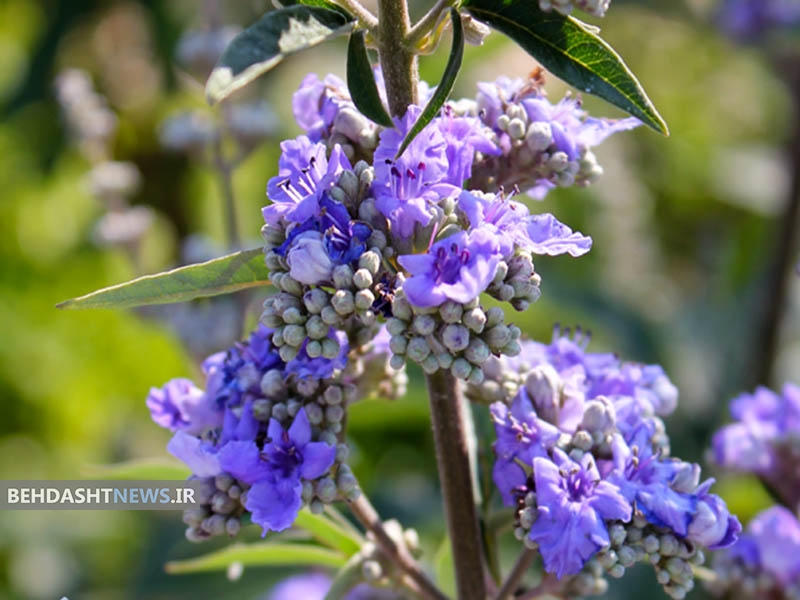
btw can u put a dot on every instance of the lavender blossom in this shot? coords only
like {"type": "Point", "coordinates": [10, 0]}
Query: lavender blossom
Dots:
{"type": "Point", "coordinates": [456, 268]}
{"type": "Point", "coordinates": [275, 471]}
{"type": "Point", "coordinates": [408, 188]}
{"type": "Point", "coordinates": [750, 20]}
{"type": "Point", "coordinates": [544, 145]}
{"type": "Point", "coordinates": [182, 406]}
{"type": "Point", "coordinates": [581, 450]}
{"type": "Point", "coordinates": [514, 227]}
{"type": "Point", "coordinates": [305, 173]}
{"type": "Point", "coordinates": [765, 562]}
{"type": "Point", "coordinates": [574, 504]}
{"type": "Point", "coordinates": [764, 439]}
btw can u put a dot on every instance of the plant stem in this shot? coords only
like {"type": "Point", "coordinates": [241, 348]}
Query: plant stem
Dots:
{"type": "Point", "coordinates": [781, 269]}
{"type": "Point", "coordinates": [366, 514]}
{"type": "Point", "coordinates": [398, 61]}
{"type": "Point", "coordinates": [517, 573]}
{"type": "Point", "coordinates": [449, 435]}
{"type": "Point", "coordinates": [225, 175]}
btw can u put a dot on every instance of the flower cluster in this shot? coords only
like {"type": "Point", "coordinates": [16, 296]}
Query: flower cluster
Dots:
{"type": "Point", "coordinates": [764, 439]}
{"type": "Point", "coordinates": [263, 434]}
{"type": "Point", "coordinates": [582, 453]}
{"type": "Point", "coordinates": [765, 562]}
{"type": "Point", "coordinates": [543, 145]}
{"type": "Point", "coordinates": [752, 19]}
{"type": "Point", "coordinates": [357, 232]}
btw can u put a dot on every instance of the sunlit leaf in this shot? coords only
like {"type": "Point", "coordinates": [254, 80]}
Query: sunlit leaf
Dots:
{"type": "Point", "coordinates": [572, 51]}
{"type": "Point", "coordinates": [275, 36]}
{"type": "Point", "coordinates": [260, 554]}
{"type": "Point", "coordinates": [361, 81]}
{"type": "Point", "coordinates": [329, 533]}
{"type": "Point", "coordinates": [445, 85]}
{"type": "Point", "coordinates": [224, 275]}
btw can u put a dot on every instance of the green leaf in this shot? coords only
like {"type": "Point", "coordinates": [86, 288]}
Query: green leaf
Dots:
{"type": "Point", "coordinates": [145, 469]}
{"type": "Point", "coordinates": [445, 86]}
{"type": "Point", "coordinates": [272, 38]}
{"type": "Point", "coordinates": [224, 275]}
{"type": "Point", "coordinates": [259, 554]}
{"type": "Point", "coordinates": [329, 533]}
{"type": "Point", "coordinates": [361, 81]}
{"type": "Point", "coordinates": [572, 51]}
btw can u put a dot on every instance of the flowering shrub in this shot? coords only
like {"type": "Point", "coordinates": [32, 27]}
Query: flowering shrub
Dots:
{"type": "Point", "coordinates": [396, 234]}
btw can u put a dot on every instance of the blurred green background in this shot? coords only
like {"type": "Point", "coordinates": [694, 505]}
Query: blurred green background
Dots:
{"type": "Point", "coordinates": [684, 228]}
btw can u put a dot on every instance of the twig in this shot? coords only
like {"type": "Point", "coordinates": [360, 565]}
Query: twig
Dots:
{"type": "Point", "coordinates": [517, 573]}
{"type": "Point", "coordinates": [781, 269]}
{"type": "Point", "coordinates": [366, 514]}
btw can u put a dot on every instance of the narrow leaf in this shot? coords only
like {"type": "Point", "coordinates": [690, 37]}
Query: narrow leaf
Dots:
{"type": "Point", "coordinates": [259, 554]}
{"type": "Point", "coordinates": [329, 533]}
{"type": "Point", "coordinates": [361, 81]}
{"type": "Point", "coordinates": [445, 86]}
{"type": "Point", "coordinates": [264, 44]}
{"type": "Point", "coordinates": [145, 469]}
{"type": "Point", "coordinates": [224, 275]}
{"type": "Point", "coordinates": [572, 51]}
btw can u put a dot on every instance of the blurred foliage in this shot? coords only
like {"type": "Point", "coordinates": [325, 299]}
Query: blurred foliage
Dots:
{"type": "Point", "coordinates": [683, 229]}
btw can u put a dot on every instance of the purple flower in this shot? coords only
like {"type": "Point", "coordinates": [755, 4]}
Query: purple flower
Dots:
{"type": "Point", "coordinates": [316, 103]}
{"type": "Point", "coordinates": [331, 238]}
{"type": "Point", "coordinates": [456, 268]}
{"type": "Point", "coordinates": [573, 507]}
{"type": "Point", "coordinates": [315, 586]}
{"type": "Point", "coordinates": [548, 235]}
{"type": "Point", "coordinates": [776, 534]}
{"type": "Point", "coordinates": [181, 406]}
{"type": "Point", "coordinates": [645, 478]}
{"type": "Point", "coordinates": [521, 437]}
{"type": "Point", "coordinates": [760, 439]}
{"type": "Point", "coordinates": [712, 525]}
{"type": "Point", "coordinates": [308, 259]}
{"type": "Point", "coordinates": [303, 366]}
{"type": "Point", "coordinates": [751, 19]}
{"type": "Point", "coordinates": [234, 377]}
{"type": "Point", "coordinates": [407, 189]}
{"type": "Point", "coordinates": [308, 586]}
{"type": "Point", "coordinates": [305, 174]}
{"type": "Point", "coordinates": [572, 132]}
{"type": "Point", "coordinates": [275, 471]}
{"type": "Point", "coordinates": [199, 455]}
{"type": "Point", "coordinates": [463, 137]}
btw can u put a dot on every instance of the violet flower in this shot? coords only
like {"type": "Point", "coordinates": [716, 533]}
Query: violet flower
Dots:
{"type": "Point", "coordinates": [573, 505]}
{"type": "Point", "coordinates": [406, 189]}
{"type": "Point", "coordinates": [181, 406]}
{"type": "Point", "coordinates": [521, 437]}
{"type": "Point", "coordinates": [305, 173]}
{"type": "Point", "coordinates": [275, 471]}
{"type": "Point", "coordinates": [456, 268]}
